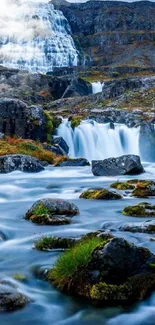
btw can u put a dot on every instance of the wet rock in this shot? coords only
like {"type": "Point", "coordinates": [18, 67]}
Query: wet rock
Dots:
{"type": "Point", "coordinates": [79, 162]}
{"type": "Point", "coordinates": [10, 298]}
{"type": "Point", "coordinates": [114, 271]}
{"type": "Point", "coordinates": [142, 227]}
{"type": "Point", "coordinates": [124, 165]}
{"type": "Point", "coordinates": [62, 144]}
{"type": "Point", "coordinates": [100, 194]}
{"type": "Point", "coordinates": [144, 189]}
{"type": "Point", "coordinates": [122, 186]}
{"type": "Point", "coordinates": [143, 209]}
{"type": "Point", "coordinates": [24, 163]}
{"type": "Point", "coordinates": [51, 212]}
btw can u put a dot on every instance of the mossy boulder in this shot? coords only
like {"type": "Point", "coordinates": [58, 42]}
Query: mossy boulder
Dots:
{"type": "Point", "coordinates": [100, 194]}
{"type": "Point", "coordinates": [75, 121]}
{"type": "Point", "coordinates": [51, 212]}
{"type": "Point", "coordinates": [141, 227]}
{"type": "Point", "coordinates": [105, 272]}
{"type": "Point", "coordinates": [48, 243]}
{"type": "Point", "coordinates": [143, 209]}
{"type": "Point", "coordinates": [122, 186]}
{"type": "Point", "coordinates": [144, 189]}
{"type": "Point", "coordinates": [10, 298]}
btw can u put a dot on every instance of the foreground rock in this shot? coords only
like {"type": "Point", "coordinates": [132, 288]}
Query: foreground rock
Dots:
{"type": "Point", "coordinates": [51, 212]}
{"type": "Point", "coordinates": [142, 227]}
{"type": "Point", "coordinates": [100, 194]}
{"type": "Point", "coordinates": [10, 298]}
{"type": "Point", "coordinates": [24, 163]}
{"type": "Point", "coordinates": [79, 162]}
{"type": "Point", "coordinates": [124, 165]}
{"type": "Point", "coordinates": [48, 243]}
{"type": "Point", "coordinates": [109, 272]}
{"type": "Point", "coordinates": [143, 209]}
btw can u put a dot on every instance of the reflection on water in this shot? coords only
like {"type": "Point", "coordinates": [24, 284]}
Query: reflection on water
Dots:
{"type": "Point", "coordinates": [48, 306]}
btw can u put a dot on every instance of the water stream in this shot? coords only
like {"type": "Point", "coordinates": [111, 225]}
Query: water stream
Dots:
{"type": "Point", "coordinates": [48, 306]}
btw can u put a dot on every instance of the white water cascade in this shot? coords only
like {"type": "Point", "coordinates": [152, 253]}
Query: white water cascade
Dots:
{"type": "Point", "coordinates": [34, 36]}
{"type": "Point", "coordinates": [92, 140]}
{"type": "Point", "coordinates": [97, 87]}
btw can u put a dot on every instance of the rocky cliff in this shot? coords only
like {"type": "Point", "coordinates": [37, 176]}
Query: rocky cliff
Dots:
{"type": "Point", "coordinates": [112, 32]}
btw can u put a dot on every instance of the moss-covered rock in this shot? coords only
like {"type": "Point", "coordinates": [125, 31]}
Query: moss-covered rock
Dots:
{"type": "Point", "coordinates": [105, 272]}
{"type": "Point", "coordinates": [144, 189]}
{"type": "Point", "coordinates": [100, 194]}
{"type": "Point", "coordinates": [122, 186]}
{"type": "Point", "coordinates": [10, 298]}
{"type": "Point", "coordinates": [51, 212]}
{"type": "Point", "coordinates": [75, 121]}
{"type": "Point", "coordinates": [143, 209]}
{"type": "Point", "coordinates": [48, 243]}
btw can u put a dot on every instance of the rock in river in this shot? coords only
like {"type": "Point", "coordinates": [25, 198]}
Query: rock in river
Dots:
{"type": "Point", "coordinates": [124, 165]}
{"type": "Point", "coordinates": [10, 298]}
{"type": "Point", "coordinates": [100, 194]}
{"type": "Point", "coordinates": [105, 272]}
{"type": "Point", "coordinates": [51, 212]}
{"type": "Point", "coordinates": [147, 227]}
{"type": "Point", "coordinates": [24, 163]}
{"type": "Point", "coordinates": [142, 209]}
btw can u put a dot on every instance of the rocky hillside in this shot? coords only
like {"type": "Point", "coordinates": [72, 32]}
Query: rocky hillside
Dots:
{"type": "Point", "coordinates": [112, 32]}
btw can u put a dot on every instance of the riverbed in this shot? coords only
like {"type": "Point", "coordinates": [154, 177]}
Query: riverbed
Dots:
{"type": "Point", "coordinates": [18, 191]}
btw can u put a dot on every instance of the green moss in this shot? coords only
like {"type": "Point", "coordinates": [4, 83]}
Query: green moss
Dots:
{"type": "Point", "coordinates": [122, 186]}
{"type": "Point", "coordinates": [49, 126]}
{"type": "Point", "coordinates": [140, 210]}
{"type": "Point", "coordinates": [75, 121]}
{"type": "Point", "coordinates": [19, 277]}
{"type": "Point", "coordinates": [68, 263]}
{"type": "Point", "coordinates": [40, 210]}
{"type": "Point", "coordinates": [152, 266]}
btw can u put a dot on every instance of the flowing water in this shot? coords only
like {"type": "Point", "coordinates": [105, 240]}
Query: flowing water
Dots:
{"type": "Point", "coordinates": [48, 306]}
{"type": "Point", "coordinates": [94, 140]}
{"type": "Point", "coordinates": [97, 87]}
{"type": "Point", "coordinates": [34, 36]}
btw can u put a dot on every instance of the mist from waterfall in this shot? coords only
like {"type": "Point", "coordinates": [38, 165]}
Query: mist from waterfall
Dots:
{"type": "Point", "coordinates": [34, 36]}
{"type": "Point", "coordinates": [92, 140]}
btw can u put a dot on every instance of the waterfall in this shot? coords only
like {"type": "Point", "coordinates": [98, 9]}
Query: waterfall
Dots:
{"type": "Point", "coordinates": [34, 36]}
{"type": "Point", "coordinates": [97, 87]}
{"type": "Point", "coordinates": [92, 140]}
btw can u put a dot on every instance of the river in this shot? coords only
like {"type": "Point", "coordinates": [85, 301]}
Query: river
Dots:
{"type": "Point", "coordinates": [17, 254]}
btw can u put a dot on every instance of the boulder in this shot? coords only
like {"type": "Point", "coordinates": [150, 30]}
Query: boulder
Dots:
{"type": "Point", "coordinates": [51, 212]}
{"type": "Point", "coordinates": [124, 165]}
{"type": "Point", "coordinates": [142, 227]}
{"type": "Point", "coordinates": [78, 162]}
{"type": "Point", "coordinates": [62, 144]}
{"type": "Point", "coordinates": [24, 163]}
{"type": "Point", "coordinates": [10, 298]}
{"type": "Point", "coordinates": [143, 209]}
{"type": "Point", "coordinates": [106, 272]}
{"type": "Point", "coordinates": [100, 194]}
{"type": "Point", "coordinates": [144, 189]}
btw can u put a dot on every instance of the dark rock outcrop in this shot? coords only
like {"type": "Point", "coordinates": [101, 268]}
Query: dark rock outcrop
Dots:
{"type": "Point", "coordinates": [16, 118]}
{"type": "Point", "coordinates": [10, 298]}
{"type": "Point", "coordinates": [51, 212]}
{"type": "Point", "coordinates": [124, 165]}
{"type": "Point", "coordinates": [58, 147]}
{"type": "Point", "coordinates": [24, 163]}
{"type": "Point", "coordinates": [147, 141]}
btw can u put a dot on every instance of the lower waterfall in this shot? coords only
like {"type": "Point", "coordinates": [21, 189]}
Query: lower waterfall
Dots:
{"type": "Point", "coordinates": [97, 87]}
{"type": "Point", "coordinates": [92, 140]}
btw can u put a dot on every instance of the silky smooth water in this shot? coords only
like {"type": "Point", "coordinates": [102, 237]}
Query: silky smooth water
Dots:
{"type": "Point", "coordinates": [92, 140]}
{"type": "Point", "coordinates": [34, 36]}
{"type": "Point", "coordinates": [17, 255]}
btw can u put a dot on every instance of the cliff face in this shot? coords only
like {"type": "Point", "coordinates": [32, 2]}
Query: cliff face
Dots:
{"type": "Point", "coordinates": [113, 33]}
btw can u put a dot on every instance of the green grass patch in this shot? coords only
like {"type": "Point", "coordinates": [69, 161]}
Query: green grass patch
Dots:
{"type": "Point", "coordinates": [65, 269]}
{"type": "Point", "coordinates": [45, 243]}
{"type": "Point", "coordinates": [40, 210]}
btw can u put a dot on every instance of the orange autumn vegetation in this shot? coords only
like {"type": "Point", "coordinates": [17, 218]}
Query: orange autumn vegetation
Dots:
{"type": "Point", "coordinates": [27, 147]}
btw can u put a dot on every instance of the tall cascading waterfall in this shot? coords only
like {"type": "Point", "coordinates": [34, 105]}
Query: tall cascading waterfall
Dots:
{"type": "Point", "coordinates": [92, 140]}
{"type": "Point", "coordinates": [34, 36]}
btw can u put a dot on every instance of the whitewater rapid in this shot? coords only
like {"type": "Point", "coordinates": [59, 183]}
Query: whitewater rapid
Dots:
{"type": "Point", "coordinates": [92, 140]}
